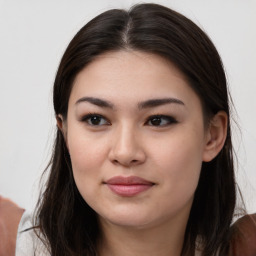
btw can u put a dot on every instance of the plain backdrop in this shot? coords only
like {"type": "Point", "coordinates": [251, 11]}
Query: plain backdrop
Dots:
{"type": "Point", "coordinates": [33, 37]}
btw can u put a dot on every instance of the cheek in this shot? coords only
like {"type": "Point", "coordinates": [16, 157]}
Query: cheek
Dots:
{"type": "Point", "coordinates": [179, 161]}
{"type": "Point", "coordinates": [87, 156]}
{"type": "Point", "coordinates": [179, 170]}
{"type": "Point", "coordinates": [179, 150]}
{"type": "Point", "coordinates": [86, 163]}
{"type": "Point", "coordinates": [86, 151]}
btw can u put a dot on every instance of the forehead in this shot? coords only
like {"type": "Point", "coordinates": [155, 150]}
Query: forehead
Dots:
{"type": "Point", "coordinates": [130, 76]}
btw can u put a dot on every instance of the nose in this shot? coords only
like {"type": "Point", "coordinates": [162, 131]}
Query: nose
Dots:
{"type": "Point", "coordinates": [127, 147]}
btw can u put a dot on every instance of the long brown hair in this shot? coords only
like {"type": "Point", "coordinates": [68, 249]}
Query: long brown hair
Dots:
{"type": "Point", "coordinates": [69, 225]}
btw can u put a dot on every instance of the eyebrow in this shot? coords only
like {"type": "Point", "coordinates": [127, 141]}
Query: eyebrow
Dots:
{"type": "Point", "coordinates": [159, 102]}
{"type": "Point", "coordinates": [141, 105]}
{"type": "Point", "coordinates": [96, 101]}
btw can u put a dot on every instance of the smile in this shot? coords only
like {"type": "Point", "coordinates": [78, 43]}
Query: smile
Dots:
{"type": "Point", "coordinates": [128, 186]}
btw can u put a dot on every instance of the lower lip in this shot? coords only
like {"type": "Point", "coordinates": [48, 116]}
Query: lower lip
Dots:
{"type": "Point", "coordinates": [129, 190]}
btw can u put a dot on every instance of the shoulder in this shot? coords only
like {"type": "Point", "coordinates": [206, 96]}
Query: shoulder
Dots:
{"type": "Point", "coordinates": [28, 240]}
{"type": "Point", "coordinates": [243, 238]}
{"type": "Point", "coordinates": [10, 215]}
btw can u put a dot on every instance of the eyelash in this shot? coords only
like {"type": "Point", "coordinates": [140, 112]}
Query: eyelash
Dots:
{"type": "Point", "coordinates": [87, 117]}
{"type": "Point", "coordinates": [168, 120]}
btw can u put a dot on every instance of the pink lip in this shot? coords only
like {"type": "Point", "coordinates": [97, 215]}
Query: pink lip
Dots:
{"type": "Point", "coordinates": [128, 186]}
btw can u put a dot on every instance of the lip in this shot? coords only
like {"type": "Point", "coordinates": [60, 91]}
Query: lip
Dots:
{"type": "Point", "coordinates": [128, 186]}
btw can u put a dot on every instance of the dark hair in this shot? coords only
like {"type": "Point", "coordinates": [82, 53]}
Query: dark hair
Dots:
{"type": "Point", "coordinates": [67, 222]}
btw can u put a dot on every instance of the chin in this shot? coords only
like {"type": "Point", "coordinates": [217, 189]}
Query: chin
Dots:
{"type": "Point", "coordinates": [130, 223]}
{"type": "Point", "coordinates": [129, 219]}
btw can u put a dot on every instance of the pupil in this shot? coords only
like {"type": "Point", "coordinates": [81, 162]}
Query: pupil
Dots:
{"type": "Point", "coordinates": [156, 121]}
{"type": "Point", "coordinates": [95, 120]}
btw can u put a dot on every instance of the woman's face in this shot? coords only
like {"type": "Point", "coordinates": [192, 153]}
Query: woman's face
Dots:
{"type": "Point", "coordinates": [136, 138]}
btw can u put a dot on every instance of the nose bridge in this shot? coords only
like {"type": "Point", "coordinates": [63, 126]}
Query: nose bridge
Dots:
{"type": "Point", "coordinates": [125, 139]}
{"type": "Point", "coordinates": [127, 148]}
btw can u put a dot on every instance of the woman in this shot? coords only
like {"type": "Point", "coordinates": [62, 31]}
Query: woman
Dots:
{"type": "Point", "coordinates": [142, 163]}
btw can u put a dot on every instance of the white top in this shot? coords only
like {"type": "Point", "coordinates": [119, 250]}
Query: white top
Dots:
{"type": "Point", "coordinates": [28, 243]}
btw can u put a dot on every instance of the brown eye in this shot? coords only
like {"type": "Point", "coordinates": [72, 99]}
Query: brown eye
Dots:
{"type": "Point", "coordinates": [156, 121]}
{"type": "Point", "coordinates": [95, 120]}
{"type": "Point", "coordinates": [161, 120]}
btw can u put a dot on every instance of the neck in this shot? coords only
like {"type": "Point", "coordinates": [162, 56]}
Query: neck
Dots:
{"type": "Point", "coordinates": [161, 240]}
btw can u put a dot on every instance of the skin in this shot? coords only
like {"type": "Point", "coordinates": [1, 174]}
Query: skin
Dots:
{"type": "Point", "coordinates": [127, 141]}
{"type": "Point", "coordinates": [244, 236]}
{"type": "Point", "coordinates": [10, 215]}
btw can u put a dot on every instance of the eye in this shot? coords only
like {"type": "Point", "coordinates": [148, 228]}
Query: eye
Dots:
{"type": "Point", "coordinates": [95, 120]}
{"type": "Point", "coordinates": [161, 120]}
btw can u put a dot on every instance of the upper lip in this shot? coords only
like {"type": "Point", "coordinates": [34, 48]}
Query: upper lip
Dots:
{"type": "Point", "coordinates": [130, 180]}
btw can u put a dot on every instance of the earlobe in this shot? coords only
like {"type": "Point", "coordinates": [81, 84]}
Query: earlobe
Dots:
{"type": "Point", "coordinates": [216, 136]}
{"type": "Point", "coordinates": [62, 127]}
{"type": "Point", "coordinates": [59, 120]}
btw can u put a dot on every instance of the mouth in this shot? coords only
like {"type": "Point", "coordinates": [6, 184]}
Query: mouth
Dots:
{"type": "Point", "coordinates": [128, 186]}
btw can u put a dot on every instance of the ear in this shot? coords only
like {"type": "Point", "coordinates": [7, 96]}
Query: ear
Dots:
{"type": "Point", "coordinates": [215, 136]}
{"type": "Point", "coordinates": [62, 125]}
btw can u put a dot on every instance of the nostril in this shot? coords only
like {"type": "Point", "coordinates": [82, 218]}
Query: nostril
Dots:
{"type": "Point", "coordinates": [115, 161]}
{"type": "Point", "coordinates": [128, 163]}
